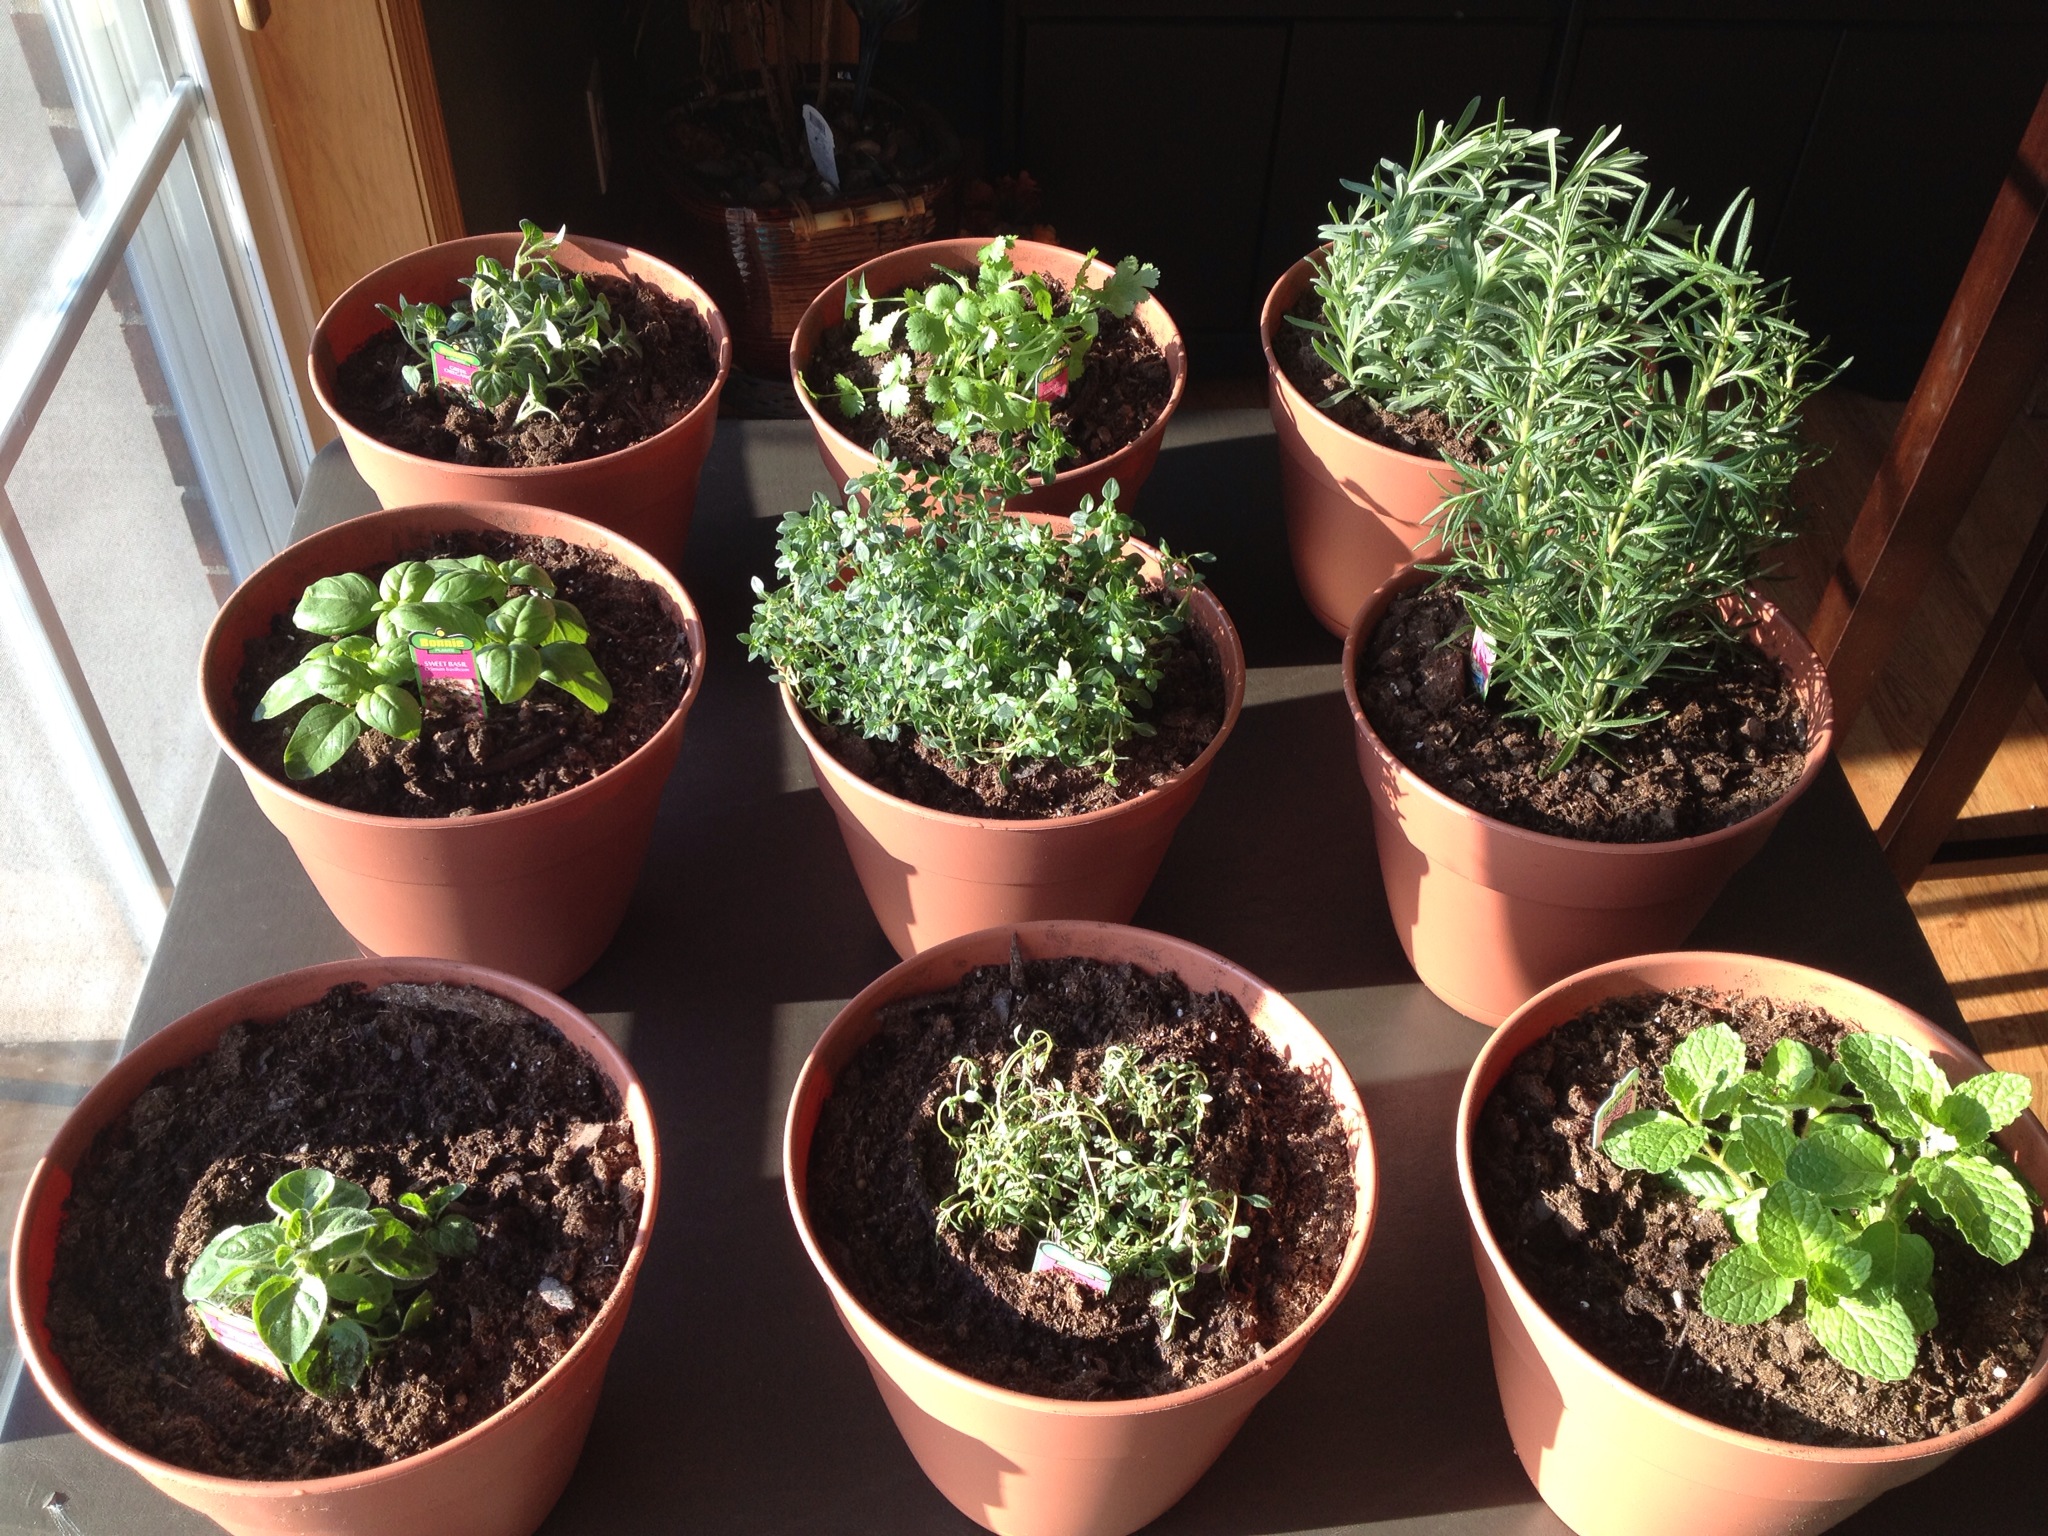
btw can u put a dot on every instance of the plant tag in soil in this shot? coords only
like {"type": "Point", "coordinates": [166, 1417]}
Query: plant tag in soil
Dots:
{"type": "Point", "coordinates": [819, 132]}
{"type": "Point", "coordinates": [1054, 385]}
{"type": "Point", "coordinates": [449, 681]}
{"type": "Point", "coordinates": [1617, 1105]}
{"type": "Point", "coordinates": [1483, 659]}
{"type": "Point", "coordinates": [1051, 1255]}
{"type": "Point", "coordinates": [453, 367]}
{"type": "Point", "coordinates": [237, 1335]}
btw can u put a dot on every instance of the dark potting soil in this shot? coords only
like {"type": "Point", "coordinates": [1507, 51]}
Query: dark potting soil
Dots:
{"type": "Point", "coordinates": [1617, 1258]}
{"type": "Point", "coordinates": [403, 1089]}
{"type": "Point", "coordinates": [516, 753]}
{"type": "Point", "coordinates": [1727, 744]}
{"type": "Point", "coordinates": [1123, 391]}
{"type": "Point", "coordinates": [879, 1167]}
{"type": "Point", "coordinates": [1426, 432]}
{"type": "Point", "coordinates": [1187, 711]}
{"type": "Point", "coordinates": [629, 400]}
{"type": "Point", "coordinates": [730, 147]}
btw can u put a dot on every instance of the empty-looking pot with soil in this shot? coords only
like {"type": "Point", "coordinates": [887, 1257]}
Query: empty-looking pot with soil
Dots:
{"type": "Point", "coordinates": [1757, 1244]}
{"type": "Point", "coordinates": [462, 717]}
{"type": "Point", "coordinates": [1081, 1194]}
{"type": "Point", "coordinates": [1009, 714]}
{"type": "Point", "coordinates": [344, 1252]}
{"type": "Point", "coordinates": [1089, 369]}
{"type": "Point", "coordinates": [551, 371]}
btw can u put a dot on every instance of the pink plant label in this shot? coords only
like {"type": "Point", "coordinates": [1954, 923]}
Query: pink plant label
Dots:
{"type": "Point", "coordinates": [447, 666]}
{"type": "Point", "coordinates": [452, 367]}
{"type": "Point", "coordinates": [1484, 658]}
{"type": "Point", "coordinates": [1054, 385]}
{"type": "Point", "coordinates": [1051, 1255]}
{"type": "Point", "coordinates": [237, 1335]}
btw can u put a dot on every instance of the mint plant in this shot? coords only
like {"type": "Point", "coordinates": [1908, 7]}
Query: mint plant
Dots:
{"type": "Point", "coordinates": [990, 350]}
{"type": "Point", "coordinates": [1817, 1165]}
{"type": "Point", "coordinates": [323, 1280]}
{"type": "Point", "coordinates": [1109, 1173]}
{"type": "Point", "coordinates": [524, 634]}
{"type": "Point", "coordinates": [529, 332]}
{"type": "Point", "coordinates": [923, 607]}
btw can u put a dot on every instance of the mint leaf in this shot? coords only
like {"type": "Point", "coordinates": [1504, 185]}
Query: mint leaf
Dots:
{"type": "Point", "coordinates": [1875, 1338]}
{"type": "Point", "coordinates": [1787, 1068]}
{"type": "Point", "coordinates": [1985, 1202]}
{"type": "Point", "coordinates": [1841, 1269]}
{"type": "Point", "coordinates": [1703, 1074]}
{"type": "Point", "coordinates": [1766, 1141]}
{"type": "Point", "coordinates": [1901, 1084]}
{"type": "Point", "coordinates": [1979, 1106]}
{"type": "Point", "coordinates": [1841, 1162]}
{"type": "Point", "coordinates": [1711, 1186]}
{"type": "Point", "coordinates": [1652, 1141]}
{"type": "Point", "coordinates": [1741, 1214]}
{"type": "Point", "coordinates": [1792, 1227]}
{"type": "Point", "coordinates": [1743, 1287]}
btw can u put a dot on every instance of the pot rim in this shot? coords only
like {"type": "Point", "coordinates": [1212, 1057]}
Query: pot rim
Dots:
{"type": "Point", "coordinates": [819, 313]}
{"type": "Point", "coordinates": [1820, 742]}
{"type": "Point", "coordinates": [1504, 1042]}
{"type": "Point", "coordinates": [586, 534]}
{"type": "Point", "coordinates": [1365, 1186]}
{"type": "Point", "coordinates": [1230, 647]}
{"type": "Point", "coordinates": [1270, 319]}
{"type": "Point", "coordinates": [374, 288]}
{"type": "Point", "coordinates": [565, 1016]}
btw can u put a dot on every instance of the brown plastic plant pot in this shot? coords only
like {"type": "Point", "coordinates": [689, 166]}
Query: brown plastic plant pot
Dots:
{"type": "Point", "coordinates": [646, 491]}
{"type": "Point", "coordinates": [912, 266]}
{"type": "Point", "coordinates": [1357, 513]}
{"type": "Point", "coordinates": [1611, 1459]}
{"type": "Point", "coordinates": [1491, 914]}
{"type": "Point", "coordinates": [932, 875]}
{"type": "Point", "coordinates": [497, 1478]}
{"type": "Point", "coordinates": [1039, 1466]}
{"type": "Point", "coordinates": [537, 890]}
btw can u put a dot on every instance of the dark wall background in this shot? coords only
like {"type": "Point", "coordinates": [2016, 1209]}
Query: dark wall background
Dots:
{"type": "Point", "coordinates": [1208, 136]}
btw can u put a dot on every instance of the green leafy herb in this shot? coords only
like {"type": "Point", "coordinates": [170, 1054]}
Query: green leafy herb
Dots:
{"type": "Point", "coordinates": [923, 607]}
{"type": "Point", "coordinates": [1817, 1165]}
{"type": "Point", "coordinates": [990, 350]}
{"type": "Point", "coordinates": [532, 329]}
{"type": "Point", "coordinates": [322, 1280]}
{"type": "Point", "coordinates": [1108, 1173]}
{"type": "Point", "coordinates": [368, 681]}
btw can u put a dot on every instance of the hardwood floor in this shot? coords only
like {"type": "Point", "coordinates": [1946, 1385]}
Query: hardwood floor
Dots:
{"type": "Point", "coordinates": [1989, 933]}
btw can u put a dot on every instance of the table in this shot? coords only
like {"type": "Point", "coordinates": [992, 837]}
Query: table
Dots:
{"type": "Point", "coordinates": [735, 1404]}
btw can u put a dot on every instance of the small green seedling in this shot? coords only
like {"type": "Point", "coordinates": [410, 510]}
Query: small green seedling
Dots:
{"type": "Point", "coordinates": [1108, 1174]}
{"type": "Point", "coordinates": [993, 348]}
{"type": "Point", "coordinates": [1816, 1165]}
{"type": "Point", "coordinates": [524, 634]}
{"type": "Point", "coordinates": [322, 1281]}
{"type": "Point", "coordinates": [528, 332]}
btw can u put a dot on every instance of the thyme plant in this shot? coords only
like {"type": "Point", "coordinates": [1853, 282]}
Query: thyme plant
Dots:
{"type": "Point", "coordinates": [1108, 1173]}
{"type": "Point", "coordinates": [529, 332]}
{"type": "Point", "coordinates": [1817, 1165]}
{"type": "Point", "coordinates": [922, 607]}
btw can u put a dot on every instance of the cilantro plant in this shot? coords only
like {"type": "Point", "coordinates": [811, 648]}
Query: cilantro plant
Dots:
{"type": "Point", "coordinates": [1817, 1165]}
{"type": "Point", "coordinates": [532, 329]}
{"type": "Point", "coordinates": [1108, 1174]}
{"type": "Point", "coordinates": [524, 634]}
{"type": "Point", "coordinates": [991, 350]}
{"type": "Point", "coordinates": [322, 1280]}
{"type": "Point", "coordinates": [923, 607]}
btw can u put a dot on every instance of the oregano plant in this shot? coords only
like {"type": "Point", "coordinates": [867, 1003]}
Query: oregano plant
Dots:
{"type": "Point", "coordinates": [1109, 1173]}
{"type": "Point", "coordinates": [989, 350]}
{"type": "Point", "coordinates": [366, 677]}
{"type": "Point", "coordinates": [323, 1281]}
{"type": "Point", "coordinates": [1818, 1165]}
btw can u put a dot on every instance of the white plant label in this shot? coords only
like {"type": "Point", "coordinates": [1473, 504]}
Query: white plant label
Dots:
{"type": "Point", "coordinates": [819, 132]}
{"type": "Point", "coordinates": [1052, 1255]}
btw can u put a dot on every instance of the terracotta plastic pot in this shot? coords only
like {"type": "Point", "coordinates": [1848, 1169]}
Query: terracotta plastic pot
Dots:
{"type": "Point", "coordinates": [1611, 1459]}
{"type": "Point", "coordinates": [645, 492]}
{"type": "Point", "coordinates": [538, 890]}
{"type": "Point", "coordinates": [498, 1478]}
{"type": "Point", "coordinates": [931, 875]}
{"type": "Point", "coordinates": [1356, 512]}
{"type": "Point", "coordinates": [912, 267]}
{"type": "Point", "coordinates": [1041, 1466]}
{"type": "Point", "coordinates": [1491, 914]}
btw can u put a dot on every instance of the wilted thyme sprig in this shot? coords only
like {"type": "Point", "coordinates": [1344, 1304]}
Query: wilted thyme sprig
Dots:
{"type": "Point", "coordinates": [321, 1281]}
{"type": "Point", "coordinates": [370, 680]}
{"type": "Point", "coordinates": [922, 607]}
{"type": "Point", "coordinates": [995, 347]}
{"type": "Point", "coordinates": [1109, 1174]}
{"type": "Point", "coordinates": [532, 328]}
{"type": "Point", "coordinates": [1816, 1165]}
